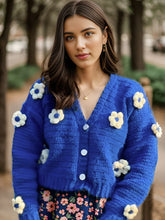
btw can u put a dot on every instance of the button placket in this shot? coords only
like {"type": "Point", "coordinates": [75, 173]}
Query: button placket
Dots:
{"type": "Point", "coordinates": [83, 159]}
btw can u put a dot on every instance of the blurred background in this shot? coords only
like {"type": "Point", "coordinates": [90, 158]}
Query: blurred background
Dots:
{"type": "Point", "coordinates": [27, 30]}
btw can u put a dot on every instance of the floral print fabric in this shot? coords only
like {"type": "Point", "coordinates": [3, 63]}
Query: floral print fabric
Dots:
{"type": "Point", "coordinates": [77, 205]}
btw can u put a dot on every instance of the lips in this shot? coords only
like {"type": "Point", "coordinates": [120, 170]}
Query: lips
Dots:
{"type": "Point", "coordinates": [82, 56]}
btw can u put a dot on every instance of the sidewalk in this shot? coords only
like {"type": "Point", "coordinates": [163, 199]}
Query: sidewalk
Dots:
{"type": "Point", "coordinates": [14, 102]}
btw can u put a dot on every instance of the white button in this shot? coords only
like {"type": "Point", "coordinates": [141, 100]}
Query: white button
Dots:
{"type": "Point", "coordinates": [85, 127]}
{"type": "Point", "coordinates": [84, 152]}
{"type": "Point", "coordinates": [82, 176]}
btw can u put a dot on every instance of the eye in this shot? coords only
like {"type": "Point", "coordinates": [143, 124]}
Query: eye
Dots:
{"type": "Point", "coordinates": [69, 38]}
{"type": "Point", "coordinates": [89, 33]}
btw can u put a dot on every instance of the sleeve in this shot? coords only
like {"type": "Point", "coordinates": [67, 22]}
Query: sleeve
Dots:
{"type": "Point", "coordinates": [140, 156]}
{"type": "Point", "coordinates": [27, 146]}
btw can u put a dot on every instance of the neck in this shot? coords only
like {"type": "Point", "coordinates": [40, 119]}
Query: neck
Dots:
{"type": "Point", "coordinates": [90, 77]}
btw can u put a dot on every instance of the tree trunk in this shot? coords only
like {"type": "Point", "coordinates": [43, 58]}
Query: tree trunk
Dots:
{"type": "Point", "coordinates": [3, 82]}
{"type": "Point", "coordinates": [31, 52]}
{"type": "Point", "coordinates": [120, 19]}
{"type": "Point", "coordinates": [31, 28]}
{"type": "Point", "coordinates": [32, 24]}
{"type": "Point", "coordinates": [136, 38]}
{"type": "Point", "coordinates": [45, 33]}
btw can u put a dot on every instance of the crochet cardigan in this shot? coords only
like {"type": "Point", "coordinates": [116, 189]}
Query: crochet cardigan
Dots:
{"type": "Point", "coordinates": [112, 155]}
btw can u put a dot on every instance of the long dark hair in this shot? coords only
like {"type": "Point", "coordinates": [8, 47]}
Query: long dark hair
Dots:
{"type": "Point", "coordinates": [60, 73]}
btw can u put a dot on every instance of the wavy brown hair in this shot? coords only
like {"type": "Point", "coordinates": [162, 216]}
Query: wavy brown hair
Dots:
{"type": "Point", "coordinates": [60, 73]}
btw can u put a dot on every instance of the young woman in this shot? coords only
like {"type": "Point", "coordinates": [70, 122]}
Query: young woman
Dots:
{"type": "Point", "coordinates": [85, 142]}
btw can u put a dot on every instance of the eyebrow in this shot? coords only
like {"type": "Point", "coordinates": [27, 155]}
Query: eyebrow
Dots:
{"type": "Point", "coordinates": [86, 29]}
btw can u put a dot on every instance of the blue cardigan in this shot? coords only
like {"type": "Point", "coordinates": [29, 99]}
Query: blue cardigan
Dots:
{"type": "Point", "coordinates": [112, 155]}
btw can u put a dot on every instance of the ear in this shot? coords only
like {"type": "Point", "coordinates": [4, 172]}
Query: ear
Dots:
{"type": "Point", "coordinates": [105, 35]}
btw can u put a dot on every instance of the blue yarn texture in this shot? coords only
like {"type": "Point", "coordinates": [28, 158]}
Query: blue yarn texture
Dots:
{"type": "Point", "coordinates": [104, 144]}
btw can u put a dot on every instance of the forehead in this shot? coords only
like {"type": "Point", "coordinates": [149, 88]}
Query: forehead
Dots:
{"type": "Point", "coordinates": [77, 23]}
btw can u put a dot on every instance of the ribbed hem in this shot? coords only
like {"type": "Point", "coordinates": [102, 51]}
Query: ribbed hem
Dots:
{"type": "Point", "coordinates": [101, 190]}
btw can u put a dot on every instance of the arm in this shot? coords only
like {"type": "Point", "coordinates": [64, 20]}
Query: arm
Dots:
{"type": "Point", "coordinates": [140, 151]}
{"type": "Point", "coordinates": [27, 146]}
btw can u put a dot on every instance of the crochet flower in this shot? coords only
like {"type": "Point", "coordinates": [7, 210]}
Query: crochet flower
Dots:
{"type": "Point", "coordinates": [56, 116]}
{"type": "Point", "coordinates": [116, 119]}
{"type": "Point", "coordinates": [37, 91]}
{"type": "Point", "coordinates": [130, 211]}
{"type": "Point", "coordinates": [44, 156]}
{"type": "Point", "coordinates": [18, 204]}
{"type": "Point", "coordinates": [139, 100]}
{"type": "Point", "coordinates": [157, 130]}
{"type": "Point", "coordinates": [18, 119]}
{"type": "Point", "coordinates": [121, 167]}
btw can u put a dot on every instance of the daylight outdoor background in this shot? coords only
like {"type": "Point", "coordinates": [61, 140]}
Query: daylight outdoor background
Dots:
{"type": "Point", "coordinates": [26, 35]}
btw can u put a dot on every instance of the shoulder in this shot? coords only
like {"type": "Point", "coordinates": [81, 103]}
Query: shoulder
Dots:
{"type": "Point", "coordinates": [38, 95]}
{"type": "Point", "coordinates": [129, 93]}
{"type": "Point", "coordinates": [39, 91]}
{"type": "Point", "coordinates": [126, 82]}
{"type": "Point", "coordinates": [126, 87]}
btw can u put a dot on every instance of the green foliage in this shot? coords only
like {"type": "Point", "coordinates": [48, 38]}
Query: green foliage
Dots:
{"type": "Point", "coordinates": [156, 76]}
{"type": "Point", "coordinates": [19, 75]}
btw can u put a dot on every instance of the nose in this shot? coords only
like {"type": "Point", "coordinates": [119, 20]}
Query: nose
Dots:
{"type": "Point", "coordinates": [80, 43]}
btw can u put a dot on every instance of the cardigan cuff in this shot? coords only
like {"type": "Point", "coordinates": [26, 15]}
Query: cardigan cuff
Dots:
{"type": "Point", "coordinates": [112, 212]}
{"type": "Point", "coordinates": [30, 216]}
{"type": "Point", "coordinates": [111, 217]}
{"type": "Point", "coordinates": [31, 213]}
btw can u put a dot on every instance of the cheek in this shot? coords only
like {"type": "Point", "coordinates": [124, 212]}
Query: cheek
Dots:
{"type": "Point", "coordinates": [96, 44]}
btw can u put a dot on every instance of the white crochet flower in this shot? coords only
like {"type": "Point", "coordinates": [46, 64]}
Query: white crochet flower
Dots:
{"type": "Point", "coordinates": [37, 91]}
{"type": "Point", "coordinates": [44, 156]}
{"type": "Point", "coordinates": [18, 119]}
{"type": "Point", "coordinates": [18, 204]}
{"type": "Point", "coordinates": [130, 211]}
{"type": "Point", "coordinates": [56, 116]}
{"type": "Point", "coordinates": [117, 168]}
{"type": "Point", "coordinates": [157, 130]}
{"type": "Point", "coordinates": [121, 167]}
{"type": "Point", "coordinates": [139, 100]}
{"type": "Point", "coordinates": [116, 119]}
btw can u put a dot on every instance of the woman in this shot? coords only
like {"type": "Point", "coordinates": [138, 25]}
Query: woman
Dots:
{"type": "Point", "coordinates": [85, 143]}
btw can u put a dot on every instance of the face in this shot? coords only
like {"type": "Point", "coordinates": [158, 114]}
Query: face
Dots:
{"type": "Point", "coordinates": [83, 41]}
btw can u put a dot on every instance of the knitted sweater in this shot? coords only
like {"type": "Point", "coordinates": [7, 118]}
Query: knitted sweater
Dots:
{"type": "Point", "coordinates": [113, 154]}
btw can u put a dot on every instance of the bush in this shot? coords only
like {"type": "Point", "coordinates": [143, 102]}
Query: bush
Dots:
{"type": "Point", "coordinates": [156, 76]}
{"type": "Point", "coordinates": [19, 75]}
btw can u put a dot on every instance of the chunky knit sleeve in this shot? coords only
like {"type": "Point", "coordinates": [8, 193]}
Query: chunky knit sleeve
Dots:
{"type": "Point", "coordinates": [139, 157]}
{"type": "Point", "coordinates": [27, 146]}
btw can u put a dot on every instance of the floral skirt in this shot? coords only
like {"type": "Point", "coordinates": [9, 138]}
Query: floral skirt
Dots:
{"type": "Point", "coordinates": [78, 205]}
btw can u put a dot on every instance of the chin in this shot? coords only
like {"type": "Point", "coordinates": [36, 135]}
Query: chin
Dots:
{"type": "Point", "coordinates": [86, 65]}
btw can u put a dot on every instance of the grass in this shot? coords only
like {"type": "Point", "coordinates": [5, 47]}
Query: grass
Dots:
{"type": "Point", "coordinates": [156, 76]}
{"type": "Point", "coordinates": [19, 75]}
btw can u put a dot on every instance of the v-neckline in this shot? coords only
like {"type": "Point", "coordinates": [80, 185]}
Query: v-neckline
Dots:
{"type": "Point", "coordinates": [98, 107]}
